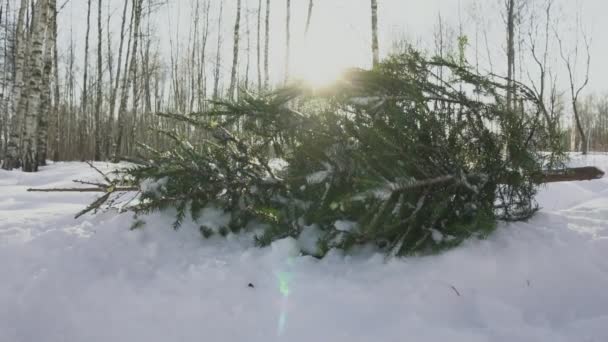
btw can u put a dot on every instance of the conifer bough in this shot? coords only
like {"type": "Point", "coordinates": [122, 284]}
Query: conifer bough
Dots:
{"type": "Point", "coordinates": [397, 157]}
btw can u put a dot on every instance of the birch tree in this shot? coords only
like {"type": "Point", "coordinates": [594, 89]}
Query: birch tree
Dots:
{"type": "Point", "coordinates": [375, 47]}
{"type": "Point", "coordinates": [115, 86]}
{"type": "Point", "coordinates": [85, 90]}
{"type": "Point", "coordinates": [98, 97]}
{"type": "Point", "coordinates": [287, 39]}
{"type": "Point", "coordinates": [129, 77]}
{"type": "Point", "coordinates": [218, 58]}
{"type": "Point", "coordinates": [235, 51]}
{"type": "Point", "coordinates": [510, 22]}
{"type": "Point", "coordinates": [259, 45]}
{"type": "Point", "coordinates": [267, 45]}
{"type": "Point", "coordinates": [308, 17]}
{"type": "Point", "coordinates": [34, 87]}
{"type": "Point", "coordinates": [11, 160]}
{"type": "Point", "coordinates": [56, 95]}
{"type": "Point", "coordinates": [45, 106]}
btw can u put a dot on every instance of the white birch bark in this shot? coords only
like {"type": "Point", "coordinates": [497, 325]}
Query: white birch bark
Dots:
{"type": "Point", "coordinates": [375, 47]}
{"type": "Point", "coordinates": [129, 80]}
{"type": "Point", "coordinates": [11, 159]}
{"type": "Point", "coordinates": [45, 105]}
{"type": "Point", "coordinates": [235, 51]}
{"type": "Point", "coordinates": [287, 40]}
{"type": "Point", "coordinates": [98, 98]}
{"type": "Point", "coordinates": [33, 89]}
{"type": "Point", "coordinates": [267, 46]}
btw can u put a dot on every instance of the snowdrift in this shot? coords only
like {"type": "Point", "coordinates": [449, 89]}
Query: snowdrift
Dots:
{"type": "Point", "coordinates": [93, 279]}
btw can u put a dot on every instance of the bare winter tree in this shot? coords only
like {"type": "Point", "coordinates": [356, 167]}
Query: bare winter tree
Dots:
{"type": "Point", "coordinates": [33, 90]}
{"type": "Point", "coordinates": [308, 17]}
{"type": "Point", "coordinates": [99, 96]}
{"type": "Point", "coordinates": [11, 160]}
{"type": "Point", "coordinates": [85, 93]}
{"type": "Point", "coordinates": [202, 78]}
{"type": "Point", "coordinates": [45, 103]}
{"type": "Point", "coordinates": [57, 119]}
{"type": "Point", "coordinates": [571, 61]}
{"type": "Point", "coordinates": [131, 74]}
{"type": "Point", "coordinates": [510, 22]}
{"type": "Point", "coordinates": [218, 58]}
{"type": "Point", "coordinates": [539, 40]}
{"type": "Point", "coordinates": [235, 51]}
{"type": "Point", "coordinates": [267, 45]}
{"type": "Point", "coordinates": [287, 39]}
{"type": "Point", "coordinates": [115, 86]}
{"type": "Point", "coordinates": [6, 65]}
{"type": "Point", "coordinates": [259, 45]}
{"type": "Point", "coordinates": [375, 47]}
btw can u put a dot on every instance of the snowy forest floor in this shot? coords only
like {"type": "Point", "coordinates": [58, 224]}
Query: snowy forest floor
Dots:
{"type": "Point", "coordinates": [93, 279]}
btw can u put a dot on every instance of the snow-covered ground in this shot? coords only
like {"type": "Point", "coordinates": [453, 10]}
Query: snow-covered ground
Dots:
{"type": "Point", "coordinates": [93, 279]}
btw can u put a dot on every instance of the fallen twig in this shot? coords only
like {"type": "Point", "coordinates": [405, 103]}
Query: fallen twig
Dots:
{"type": "Point", "coordinates": [109, 189]}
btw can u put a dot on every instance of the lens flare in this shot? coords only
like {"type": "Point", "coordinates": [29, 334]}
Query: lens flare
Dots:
{"type": "Point", "coordinates": [284, 278]}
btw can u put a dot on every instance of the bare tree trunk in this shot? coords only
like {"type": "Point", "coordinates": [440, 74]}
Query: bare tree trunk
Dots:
{"type": "Point", "coordinates": [114, 87]}
{"type": "Point", "coordinates": [146, 66]}
{"type": "Point", "coordinates": [575, 91]}
{"type": "Point", "coordinates": [85, 92]}
{"type": "Point", "coordinates": [129, 78]}
{"type": "Point", "coordinates": [259, 45]}
{"type": "Point", "coordinates": [375, 48]}
{"type": "Point", "coordinates": [510, 9]}
{"type": "Point", "coordinates": [56, 116]}
{"type": "Point", "coordinates": [71, 95]}
{"type": "Point", "coordinates": [193, 60]}
{"type": "Point", "coordinates": [267, 46]}
{"type": "Point", "coordinates": [45, 105]}
{"type": "Point", "coordinates": [216, 73]}
{"type": "Point", "coordinates": [11, 159]}
{"type": "Point", "coordinates": [235, 51]}
{"type": "Point", "coordinates": [5, 97]}
{"type": "Point", "coordinates": [287, 39]}
{"type": "Point", "coordinates": [99, 98]}
{"type": "Point", "coordinates": [308, 17]}
{"type": "Point", "coordinates": [34, 88]}
{"type": "Point", "coordinates": [202, 77]}
{"type": "Point", "coordinates": [248, 33]}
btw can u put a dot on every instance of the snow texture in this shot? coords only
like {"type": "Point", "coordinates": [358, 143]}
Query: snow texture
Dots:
{"type": "Point", "coordinates": [94, 280]}
{"type": "Point", "coordinates": [346, 226]}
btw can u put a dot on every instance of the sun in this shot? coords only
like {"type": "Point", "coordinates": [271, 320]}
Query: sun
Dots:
{"type": "Point", "coordinates": [319, 65]}
{"type": "Point", "coordinates": [322, 57]}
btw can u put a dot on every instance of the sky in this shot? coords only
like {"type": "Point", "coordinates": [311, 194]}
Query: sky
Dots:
{"type": "Point", "coordinates": [340, 32]}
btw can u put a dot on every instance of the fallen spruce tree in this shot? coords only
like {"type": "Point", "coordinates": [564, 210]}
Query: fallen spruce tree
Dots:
{"type": "Point", "coordinates": [398, 157]}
